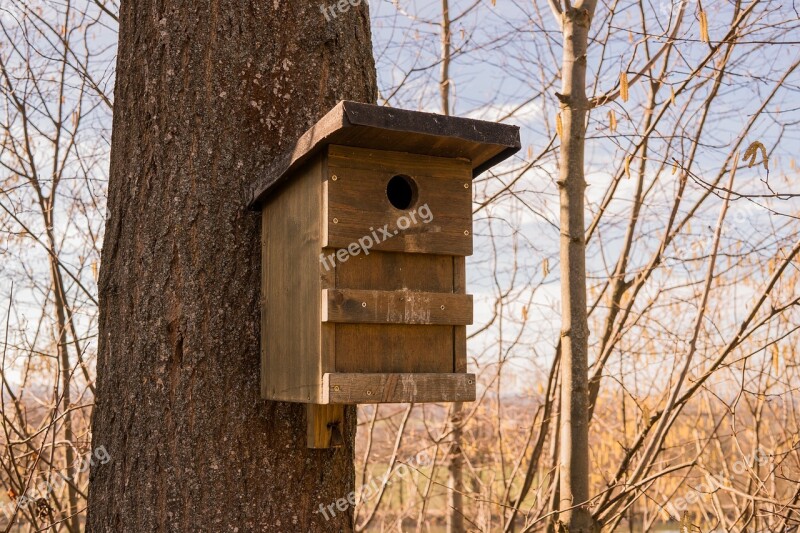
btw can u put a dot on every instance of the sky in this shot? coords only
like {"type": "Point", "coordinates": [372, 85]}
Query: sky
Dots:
{"type": "Point", "coordinates": [505, 68]}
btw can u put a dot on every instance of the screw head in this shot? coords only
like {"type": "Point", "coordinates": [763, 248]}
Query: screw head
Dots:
{"type": "Point", "coordinates": [363, 304]}
{"type": "Point", "coordinates": [334, 177]}
{"type": "Point", "coordinates": [469, 381]}
{"type": "Point", "coordinates": [336, 388]}
{"type": "Point", "coordinates": [442, 308]}
{"type": "Point", "coordinates": [466, 231]}
{"type": "Point", "coordinates": [369, 393]}
{"type": "Point", "coordinates": [335, 220]}
{"type": "Point", "coordinates": [466, 185]}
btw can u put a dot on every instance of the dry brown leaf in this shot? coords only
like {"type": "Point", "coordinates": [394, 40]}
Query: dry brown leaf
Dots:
{"type": "Point", "coordinates": [704, 27]}
{"type": "Point", "coordinates": [752, 152]}
{"type": "Point", "coordinates": [623, 86]}
{"type": "Point", "coordinates": [776, 354]}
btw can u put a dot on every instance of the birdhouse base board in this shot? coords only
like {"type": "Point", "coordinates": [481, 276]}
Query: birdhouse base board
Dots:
{"type": "Point", "coordinates": [353, 388]}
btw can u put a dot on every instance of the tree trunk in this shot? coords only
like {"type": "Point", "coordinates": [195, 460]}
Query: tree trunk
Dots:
{"type": "Point", "coordinates": [65, 370]}
{"type": "Point", "coordinates": [455, 474]}
{"type": "Point", "coordinates": [208, 93]}
{"type": "Point", "coordinates": [455, 460]}
{"type": "Point", "coordinates": [574, 441]}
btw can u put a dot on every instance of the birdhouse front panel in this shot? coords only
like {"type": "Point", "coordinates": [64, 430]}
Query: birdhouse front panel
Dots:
{"type": "Point", "coordinates": [394, 300]}
{"type": "Point", "coordinates": [407, 202]}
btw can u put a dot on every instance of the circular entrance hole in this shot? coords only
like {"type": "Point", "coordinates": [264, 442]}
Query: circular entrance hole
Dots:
{"type": "Point", "coordinates": [401, 192]}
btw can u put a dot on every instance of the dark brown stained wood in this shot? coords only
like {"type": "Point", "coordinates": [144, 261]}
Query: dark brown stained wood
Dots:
{"type": "Point", "coordinates": [484, 144]}
{"type": "Point", "coordinates": [395, 271]}
{"type": "Point", "coordinates": [398, 388]}
{"type": "Point", "coordinates": [376, 348]}
{"type": "Point", "coordinates": [395, 307]}
{"type": "Point", "coordinates": [324, 425]}
{"type": "Point", "coordinates": [460, 332]}
{"type": "Point", "coordinates": [291, 368]}
{"type": "Point", "coordinates": [359, 211]}
{"type": "Point", "coordinates": [344, 297]}
{"type": "Point", "coordinates": [393, 348]}
{"type": "Point", "coordinates": [327, 281]}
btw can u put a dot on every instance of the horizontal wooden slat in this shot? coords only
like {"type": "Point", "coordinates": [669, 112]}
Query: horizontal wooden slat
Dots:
{"type": "Point", "coordinates": [395, 271]}
{"type": "Point", "coordinates": [352, 306]}
{"type": "Point", "coordinates": [393, 348]}
{"type": "Point", "coordinates": [398, 388]}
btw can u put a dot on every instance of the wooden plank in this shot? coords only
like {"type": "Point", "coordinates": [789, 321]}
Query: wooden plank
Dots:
{"type": "Point", "coordinates": [395, 307]}
{"type": "Point", "coordinates": [361, 218]}
{"type": "Point", "coordinates": [460, 332]}
{"type": "Point", "coordinates": [264, 367]}
{"type": "Point", "coordinates": [389, 161]}
{"type": "Point", "coordinates": [393, 271]}
{"type": "Point", "coordinates": [328, 274]}
{"type": "Point", "coordinates": [393, 348]}
{"type": "Point", "coordinates": [324, 425]}
{"type": "Point", "coordinates": [291, 288]}
{"type": "Point", "coordinates": [483, 143]}
{"type": "Point", "coordinates": [398, 388]}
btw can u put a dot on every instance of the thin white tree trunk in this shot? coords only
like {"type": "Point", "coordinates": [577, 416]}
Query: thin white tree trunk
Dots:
{"type": "Point", "coordinates": [574, 452]}
{"type": "Point", "coordinates": [455, 461]}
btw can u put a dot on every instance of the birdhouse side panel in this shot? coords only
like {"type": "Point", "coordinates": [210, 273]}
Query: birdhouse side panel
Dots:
{"type": "Point", "coordinates": [291, 289]}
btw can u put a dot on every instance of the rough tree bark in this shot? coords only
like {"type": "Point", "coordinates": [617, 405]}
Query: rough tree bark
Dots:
{"type": "Point", "coordinates": [574, 476]}
{"type": "Point", "coordinates": [208, 93]}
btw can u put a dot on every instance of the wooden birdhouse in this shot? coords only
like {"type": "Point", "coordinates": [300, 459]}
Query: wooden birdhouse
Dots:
{"type": "Point", "coordinates": [366, 224]}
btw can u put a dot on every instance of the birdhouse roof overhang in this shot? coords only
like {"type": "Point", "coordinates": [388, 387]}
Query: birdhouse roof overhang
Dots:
{"type": "Point", "coordinates": [360, 125]}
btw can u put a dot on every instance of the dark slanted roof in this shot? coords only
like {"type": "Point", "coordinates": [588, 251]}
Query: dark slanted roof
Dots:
{"type": "Point", "coordinates": [385, 128]}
